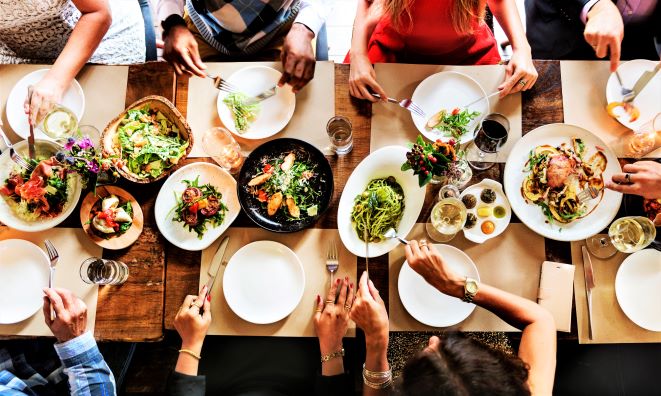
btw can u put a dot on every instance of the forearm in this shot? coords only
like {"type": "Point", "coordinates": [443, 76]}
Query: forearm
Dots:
{"type": "Point", "coordinates": [334, 366]}
{"type": "Point", "coordinates": [538, 350]}
{"type": "Point", "coordinates": [376, 359]}
{"type": "Point", "coordinates": [363, 27]}
{"type": "Point", "coordinates": [187, 363]}
{"type": "Point", "coordinates": [508, 17]}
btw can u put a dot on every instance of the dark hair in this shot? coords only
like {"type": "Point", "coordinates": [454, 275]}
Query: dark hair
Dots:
{"type": "Point", "coordinates": [463, 366]}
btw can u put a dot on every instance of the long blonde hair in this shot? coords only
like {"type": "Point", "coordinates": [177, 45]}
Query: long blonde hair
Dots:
{"type": "Point", "coordinates": [463, 13]}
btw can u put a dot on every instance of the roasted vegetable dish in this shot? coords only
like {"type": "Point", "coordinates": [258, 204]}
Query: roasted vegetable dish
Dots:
{"type": "Point", "coordinates": [199, 207]}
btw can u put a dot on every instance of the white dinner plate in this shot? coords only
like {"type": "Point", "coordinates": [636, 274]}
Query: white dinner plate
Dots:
{"type": "Point", "coordinates": [73, 99]}
{"type": "Point", "coordinates": [43, 149]}
{"type": "Point", "coordinates": [263, 282]}
{"type": "Point", "coordinates": [24, 271]}
{"type": "Point", "coordinates": [275, 112]}
{"type": "Point", "coordinates": [648, 101]}
{"type": "Point", "coordinates": [447, 90]}
{"type": "Point", "coordinates": [638, 288]}
{"type": "Point", "coordinates": [382, 163]}
{"type": "Point", "coordinates": [166, 201]}
{"type": "Point", "coordinates": [531, 214]}
{"type": "Point", "coordinates": [428, 305]}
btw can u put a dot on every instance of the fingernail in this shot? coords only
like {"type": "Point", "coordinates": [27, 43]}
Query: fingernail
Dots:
{"type": "Point", "coordinates": [346, 278]}
{"type": "Point", "coordinates": [318, 298]}
{"type": "Point", "coordinates": [351, 285]}
{"type": "Point", "coordinates": [337, 281]}
{"type": "Point", "coordinates": [209, 297]}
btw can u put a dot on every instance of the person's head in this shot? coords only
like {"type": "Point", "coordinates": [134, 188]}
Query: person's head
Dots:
{"type": "Point", "coordinates": [458, 365]}
{"type": "Point", "coordinates": [464, 12]}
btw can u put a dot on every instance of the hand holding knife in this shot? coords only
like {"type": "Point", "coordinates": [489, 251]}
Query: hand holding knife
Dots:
{"type": "Point", "coordinates": [215, 265]}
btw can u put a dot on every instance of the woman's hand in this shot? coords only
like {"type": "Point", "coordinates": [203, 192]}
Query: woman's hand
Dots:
{"type": "Point", "coordinates": [427, 261]}
{"type": "Point", "coordinates": [520, 74]}
{"type": "Point", "coordinates": [644, 178]}
{"type": "Point", "coordinates": [180, 49]}
{"type": "Point", "coordinates": [331, 319]}
{"type": "Point", "coordinates": [193, 320]}
{"type": "Point", "coordinates": [45, 94]}
{"type": "Point", "coordinates": [369, 313]}
{"type": "Point", "coordinates": [362, 79]}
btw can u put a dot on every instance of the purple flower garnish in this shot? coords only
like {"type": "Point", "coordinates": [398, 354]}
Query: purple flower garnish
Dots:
{"type": "Point", "coordinates": [85, 143]}
{"type": "Point", "coordinates": [70, 143]}
{"type": "Point", "coordinates": [93, 166]}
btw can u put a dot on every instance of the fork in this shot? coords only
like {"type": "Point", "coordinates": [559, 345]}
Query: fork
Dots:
{"type": "Point", "coordinates": [222, 84]}
{"type": "Point", "coordinates": [405, 103]}
{"type": "Point", "coordinates": [331, 260]}
{"type": "Point", "coordinates": [587, 194]}
{"type": "Point", "coordinates": [53, 256]}
{"type": "Point", "coordinates": [13, 154]}
{"type": "Point", "coordinates": [627, 94]}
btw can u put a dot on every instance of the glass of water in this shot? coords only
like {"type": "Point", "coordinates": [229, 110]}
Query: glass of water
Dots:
{"type": "Point", "coordinates": [220, 145]}
{"type": "Point", "coordinates": [100, 271]}
{"type": "Point", "coordinates": [340, 134]}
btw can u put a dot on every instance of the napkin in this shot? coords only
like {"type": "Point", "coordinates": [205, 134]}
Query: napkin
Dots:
{"type": "Point", "coordinates": [315, 105]}
{"type": "Point", "coordinates": [584, 103]}
{"type": "Point", "coordinates": [310, 246]}
{"type": "Point", "coordinates": [392, 125]}
{"type": "Point", "coordinates": [73, 247]}
{"type": "Point", "coordinates": [610, 325]}
{"type": "Point", "coordinates": [511, 261]}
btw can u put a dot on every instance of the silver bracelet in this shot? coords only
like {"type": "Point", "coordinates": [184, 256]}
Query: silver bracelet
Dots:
{"type": "Point", "coordinates": [377, 375]}
{"type": "Point", "coordinates": [377, 385]}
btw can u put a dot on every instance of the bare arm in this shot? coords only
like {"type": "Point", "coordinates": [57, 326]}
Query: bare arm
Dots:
{"type": "Point", "coordinates": [362, 77]}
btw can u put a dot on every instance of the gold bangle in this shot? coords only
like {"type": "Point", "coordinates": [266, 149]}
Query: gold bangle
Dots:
{"type": "Point", "coordinates": [333, 355]}
{"type": "Point", "coordinates": [191, 353]}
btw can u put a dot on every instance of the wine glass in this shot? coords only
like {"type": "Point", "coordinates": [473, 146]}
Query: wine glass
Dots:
{"type": "Point", "coordinates": [219, 144]}
{"type": "Point", "coordinates": [626, 234]}
{"type": "Point", "coordinates": [59, 122]}
{"type": "Point", "coordinates": [491, 136]}
{"type": "Point", "coordinates": [448, 215]}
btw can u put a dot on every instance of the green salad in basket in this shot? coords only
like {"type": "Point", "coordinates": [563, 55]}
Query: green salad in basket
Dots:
{"type": "Point", "coordinates": [150, 143]}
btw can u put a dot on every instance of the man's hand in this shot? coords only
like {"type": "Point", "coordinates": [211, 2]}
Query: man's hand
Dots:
{"type": "Point", "coordinates": [644, 179]}
{"type": "Point", "coordinates": [180, 49]}
{"type": "Point", "coordinates": [71, 314]}
{"type": "Point", "coordinates": [604, 31]}
{"type": "Point", "coordinates": [193, 320]}
{"type": "Point", "coordinates": [298, 60]}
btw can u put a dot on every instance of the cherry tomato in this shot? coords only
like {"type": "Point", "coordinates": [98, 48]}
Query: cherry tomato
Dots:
{"type": "Point", "coordinates": [267, 168]}
{"type": "Point", "coordinates": [194, 207]}
{"type": "Point", "coordinates": [455, 111]}
{"type": "Point", "coordinates": [212, 206]}
{"type": "Point", "coordinates": [261, 196]}
{"type": "Point", "coordinates": [191, 194]}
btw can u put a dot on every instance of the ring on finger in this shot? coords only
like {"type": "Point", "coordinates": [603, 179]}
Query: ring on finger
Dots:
{"type": "Point", "coordinates": [347, 307]}
{"type": "Point", "coordinates": [523, 82]}
{"type": "Point", "coordinates": [627, 177]}
{"type": "Point", "coordinates": [331, 302]}
{"type": "Point", "coordinates": [423, 242]}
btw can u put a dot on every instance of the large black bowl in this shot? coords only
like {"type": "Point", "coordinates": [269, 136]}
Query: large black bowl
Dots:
{"type": "Point", "coordinates": [322, 182]}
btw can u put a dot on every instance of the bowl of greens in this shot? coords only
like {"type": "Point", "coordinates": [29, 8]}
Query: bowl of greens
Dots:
{"type": "Point", "coordinates": [148, 140]}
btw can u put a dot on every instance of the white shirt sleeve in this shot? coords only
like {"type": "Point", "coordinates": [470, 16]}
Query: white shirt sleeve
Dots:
{"type": "Point", "coordinates": [586, 9]}
{"type": "Point", "coordinates": [165, 8]}
{"type": "Point", "coordinates": [313, 13]}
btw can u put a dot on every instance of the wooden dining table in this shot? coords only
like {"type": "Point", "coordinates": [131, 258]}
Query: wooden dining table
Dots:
{"type": "Point", "coordinates": [161, 275]}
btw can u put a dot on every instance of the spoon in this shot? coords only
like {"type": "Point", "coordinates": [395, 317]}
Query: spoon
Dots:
{"type": "Point", "coordinates": [391, 233]}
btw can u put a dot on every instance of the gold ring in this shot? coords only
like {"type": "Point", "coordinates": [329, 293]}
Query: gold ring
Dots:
{"type": "Point", "coordinates": [319, 309]}
{"type": "Point", "coordinates": [423, 242]}
{"type": "Point", "coordinates": [347, 307]}
{"type": "Point", "coordinates": [522, 82]}
{"type": "Point", "coordinates": [195, 305]}
{"type": "Point", "coordinates": [627, 177]}
{"type": "Point", "coordinates": [330, 302]}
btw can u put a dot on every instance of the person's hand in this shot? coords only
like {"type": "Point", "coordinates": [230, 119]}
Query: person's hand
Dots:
{"type": "Point", "coordinates": [644, 179]}
{"type": "Point", "coordinates": [362, 79]}
{"type": "Point", "coordinates": [331, 319]}
{"type": "Point", "coordinates": [520, 73]}
{"type": "Point", "coordinates": [604, 31]}
{"type": "Point", "coordinates": [193, 320]}
{"type": "Point", "coordinates": [71, 314]}
{"type": "Point", "coordinates": [298, 60]}
{"type": "Point", "coordinates": [180, 49]}
{"type": "Point", "coordinates": [427, 261]}
{"type": "Point", "coordinates": [369, 313]}
{"type": "Point", "coordinates": [45, 94]}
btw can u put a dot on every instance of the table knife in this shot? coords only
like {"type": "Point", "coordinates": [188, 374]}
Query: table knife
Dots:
{"type": "Point", "coordinates": [643, 80]}
{"type": "Point", "coordinates": [31, 152]}
{"type": "Point", "coordinates": [215, 264]}
{"type": "Point", "coordinates": [589, 285]}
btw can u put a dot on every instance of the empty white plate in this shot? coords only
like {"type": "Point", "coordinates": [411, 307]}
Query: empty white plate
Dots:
{"type": "Point", "coordinates": [428, 305]}
{"type": "Point", "coordinates": [447, 90]}
{"type": "Point", "coordinates": [23, 274]}
{"type": "Point", "coordinates": [274, 113]}
{"type": "Point", "coordinates": [638, 288]}
{"type": "Point", "coordinates": [73, 99]}
{"type": "Point", "coordinates": [263, 282]}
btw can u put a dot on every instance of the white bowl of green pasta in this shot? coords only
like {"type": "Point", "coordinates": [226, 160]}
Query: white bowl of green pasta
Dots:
{"type": "Point", "coordinates": [379, 196]}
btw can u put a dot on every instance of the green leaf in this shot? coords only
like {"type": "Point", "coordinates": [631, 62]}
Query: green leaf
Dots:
{"type": "Point", "coordinates": [405, 166]}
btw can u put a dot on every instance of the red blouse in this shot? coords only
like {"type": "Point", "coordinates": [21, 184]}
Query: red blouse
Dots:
{"type": "Point", "coordinates": [431, 39]}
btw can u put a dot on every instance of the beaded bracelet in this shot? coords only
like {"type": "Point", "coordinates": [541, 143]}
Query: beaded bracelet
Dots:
{"type": "Point", "coordinates": [333, 355]}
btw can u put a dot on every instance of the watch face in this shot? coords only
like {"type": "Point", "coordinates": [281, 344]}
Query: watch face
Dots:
{"type": "Point", "coordinates": [471, 287]}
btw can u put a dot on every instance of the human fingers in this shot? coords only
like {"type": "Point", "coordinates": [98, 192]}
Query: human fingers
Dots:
{"type": "Point", "coordinates": [624, 188]}
{"type": "Point", "coordinates": [188, 301]}
{"type": "Point", "coordinates": [206, 315]}
{"type": "Point", "coordinates": [625, 178]}
{"type": "Point", "coordinates": [530, 82]}
{"type": "Point", "coordinates": [68, 298]}
{"type": "Point", "coordinates": [288, 66]}
{"type": "Point", "coordinates": [636, 166]}
{"type": "Point", "coordinates": [195, 56]}
{"type": "Point", "coordinates": [351, 296]}
{"type": "Point", "coordinates": [601, 49]}
{"type": "Point", "coordinates": [332, 293]}
{"type": "Point", "coordinates": [342, 298]}
{"type": "Point", "coordinates": [615, 49]}
{"type": "Point", "coordinates": [319, 308]}
{"type": "Point", "coordinates": [415, 248]}
{"type": "Point", "coordinates": [55, 300]}
{"type": "Point", "coordinates": [160, 44]}
{"type": "Point", "coordinates": [34, 107]}
{"type": "Point", "coordinates": [374, 292]}
{"type": "Point", "coordinates": [363, 289]}
{"type": "Point", "coordinates": [365, 93]}
{"type": "Point", "coordinates": [177, 68]}
{"type": "Point", "coordinates": [46, 309]}
{"type": "Point", "coordinates": [202, 294]}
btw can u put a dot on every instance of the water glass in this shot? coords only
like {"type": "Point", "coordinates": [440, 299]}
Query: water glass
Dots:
{"type": "Point", "coordinates": [488, 140]}
{"type": "Point", "coordinates": [220, 145]}
{"type": "Point", "coordinates": [91, 132]}
{"type": "Point", "coordinates": [448, 215]}
{"type": "Point", "coordinates": [340, 134]}
{"type": "Point", "coordinates": [645, 139]}
{"type": "Point", "coordinates": [100, 271]}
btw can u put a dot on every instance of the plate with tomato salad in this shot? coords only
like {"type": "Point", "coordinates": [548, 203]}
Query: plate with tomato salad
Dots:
{"type": "Point", "coordinates": [196, 205]}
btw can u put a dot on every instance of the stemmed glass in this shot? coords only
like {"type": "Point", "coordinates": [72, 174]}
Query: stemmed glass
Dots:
{"type": "Point", "coordinates": [448, 215]}
{"type": "Point", "coordinates": [219, 144]}
{"type": "Point", "coordinates": [492, 135]}
{"type": "Point", "coordinates": [626, 234]}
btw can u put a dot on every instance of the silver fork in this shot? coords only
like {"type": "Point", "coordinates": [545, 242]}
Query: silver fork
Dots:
{"type": "Point", "coordinates": [331, 260]}
{"type": "Point", "coordinates": [408, 104]}
{"type": "Point", "coordinates": [587, 194]}
{"type": "Point", "coordinates": [222, 84]}
{"type": "Point", "coordinates": [53, 256]}
{"type": "Point", "coordinates": [13, 154]}
{"type": "Point", "coordinates": [627, 94]}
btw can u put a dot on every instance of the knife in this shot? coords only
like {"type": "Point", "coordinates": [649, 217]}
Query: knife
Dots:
{"type": "Point", "coordinates": [643, 80]}
{"type": "Point", "coordinates": [31, 137]}
{"type": "Point", "coordinates": [589, 285]}
{"type": "Point", "coordinates": [215, 264]}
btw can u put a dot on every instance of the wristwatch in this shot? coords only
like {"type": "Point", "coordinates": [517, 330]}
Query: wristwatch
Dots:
{"type": "Point", "coordinates": [471, 288]}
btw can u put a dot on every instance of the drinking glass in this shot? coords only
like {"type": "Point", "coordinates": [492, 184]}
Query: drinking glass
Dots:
{"type": "Point", "coordinates": [626, 234]}
{"type": "Point", "coordinates": [645, 139]}
{"type": "Point", "coordinates": [91, 132]}
{"type": "Point", "coordinates": [100, 271]}
{"type": "Point", "coordinates": [448, 215]}
{"type": "Point", "coordinates": [492, 135]}
{"type": "Point", "coordinates": [340, 134]}
{"type": "Point", "coordinates": [220, 145]}
{"type": "Point", "coordinates": [59, 122]}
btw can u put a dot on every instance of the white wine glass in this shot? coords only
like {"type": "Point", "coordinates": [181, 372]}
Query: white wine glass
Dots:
{"type": "Point", "coordinates": [626, 234]}
{"type": "Point", "coordinates": [448, 215]}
